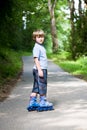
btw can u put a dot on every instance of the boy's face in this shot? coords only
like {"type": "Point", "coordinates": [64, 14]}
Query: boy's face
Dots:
{"type": "Point", "coordinates": [40, 39]}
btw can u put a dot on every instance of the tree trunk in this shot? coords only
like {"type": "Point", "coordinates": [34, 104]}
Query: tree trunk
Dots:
{"type": "Point", "coordinates": [80, 8]}
{"type": "Point", "coordinates": [72, 12]}
{"type": "Point", "coordinates": [51, 7]}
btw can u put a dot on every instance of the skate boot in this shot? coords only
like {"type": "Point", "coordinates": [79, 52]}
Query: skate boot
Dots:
{"type": "Point", "coordinates": [44, 105]}
{"type": "Point", "coordinates": [33, 105]}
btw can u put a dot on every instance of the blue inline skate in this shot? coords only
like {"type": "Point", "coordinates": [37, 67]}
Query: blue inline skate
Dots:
{"type": "Point", "coordinates": [33, 105]}
{"type": "Point", "coordinates": [44, 105]}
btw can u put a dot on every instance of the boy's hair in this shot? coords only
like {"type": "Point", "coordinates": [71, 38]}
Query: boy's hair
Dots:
{"type": "Point", "coordinates": [39, 33]}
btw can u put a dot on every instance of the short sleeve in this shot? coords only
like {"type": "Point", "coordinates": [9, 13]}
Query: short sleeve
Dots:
{"type": "Point", "coordinates": [36, 52]}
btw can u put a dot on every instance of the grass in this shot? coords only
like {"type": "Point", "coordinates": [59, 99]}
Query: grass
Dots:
{"type": "Point", "coordinates": [11, 64]}
{"type": "Point", "coordinates": [77, 68]}
{"type": "Point", "coordinates": [10, 69]}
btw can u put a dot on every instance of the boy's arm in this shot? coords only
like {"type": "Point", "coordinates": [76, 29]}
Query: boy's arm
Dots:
{"type": "Point", "coordinates": [40, 72]}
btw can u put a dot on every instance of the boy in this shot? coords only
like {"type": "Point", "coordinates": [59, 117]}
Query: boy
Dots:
{"type": "Point", "coordinates": [40, 75]}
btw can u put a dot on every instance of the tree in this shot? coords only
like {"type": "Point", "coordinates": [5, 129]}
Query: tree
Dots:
{"type": "Point", "coordinates": [35, 19]}
{"type": "Point", "coordinates": [78, 18]}
{"type": "Point", "coordinates": [72, 17]}
{"type": "Point", "coordinates": [51, 7]}
{"type": "Point", "coordinates": [10, 24]}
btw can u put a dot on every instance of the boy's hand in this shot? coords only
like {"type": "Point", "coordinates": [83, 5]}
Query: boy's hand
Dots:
{"type": "Point", "coordinates": [40, 72]}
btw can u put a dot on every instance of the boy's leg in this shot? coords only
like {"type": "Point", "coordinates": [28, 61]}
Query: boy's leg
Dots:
{"type": "Point", "coordinates": [44, 102]}
{"type": "Point", "coordinates": [35, 83]}
{"type": "Point", "coordinates": [44, 105]}
{"type": "Point", "coordinates": [33, 104]}
{"type": "Point", "coordinates": [42, 81]}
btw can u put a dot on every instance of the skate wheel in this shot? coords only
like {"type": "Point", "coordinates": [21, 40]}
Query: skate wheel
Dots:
{"type": "Point", "coordinates": [32, 108]}
{"type": "Point", "coordinates": [40, 109]}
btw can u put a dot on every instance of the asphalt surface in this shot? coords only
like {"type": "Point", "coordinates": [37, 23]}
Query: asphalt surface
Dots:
{"type": "Point", "coordinates": [67, 93]}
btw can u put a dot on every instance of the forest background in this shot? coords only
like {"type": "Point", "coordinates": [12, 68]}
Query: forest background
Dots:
{"type": "Point", "coordinates": [65, 26]}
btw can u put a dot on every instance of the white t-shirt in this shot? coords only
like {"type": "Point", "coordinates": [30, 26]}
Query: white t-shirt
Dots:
{"type": "Point", "coordinates": [40, 52]}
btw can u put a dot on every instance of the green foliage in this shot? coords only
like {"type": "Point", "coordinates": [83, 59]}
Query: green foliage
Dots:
{"type": "Point", "coordinates": [63, 24]}
{"type": "Point", "coordinates": [5, 9]}
{"type": "Point", "coordinates": [10, 64]}
{"type": "Point", "coordinates": [60, 56]}
{"type": "Point", "coordinates": [35, 20]}
{"type": "Point", "coordinates": [77, 68]}
{"type": "Point", "coordinates": [10, 26]}
{"type": "Point", "coordinates": [13, 34]}
{"type": "Point", "coordinates": [78, 37]}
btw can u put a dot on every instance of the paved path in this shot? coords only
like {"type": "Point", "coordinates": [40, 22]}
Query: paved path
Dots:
{"type": "Point", "coordinates": [68, 94]}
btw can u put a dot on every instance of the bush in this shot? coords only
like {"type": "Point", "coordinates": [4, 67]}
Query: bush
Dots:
{"type": "Point", "coordinates": [10, 64]}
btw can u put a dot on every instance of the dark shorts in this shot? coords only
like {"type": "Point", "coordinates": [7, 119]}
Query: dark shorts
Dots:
{"type": "Point", "coordinates": [40, 83]}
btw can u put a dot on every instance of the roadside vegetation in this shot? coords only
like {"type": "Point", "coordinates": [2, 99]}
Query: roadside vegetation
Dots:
{"type": "Point", "coordinates": [76, 67]}
{"type": "Point", "coordinates": [10, 70]}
